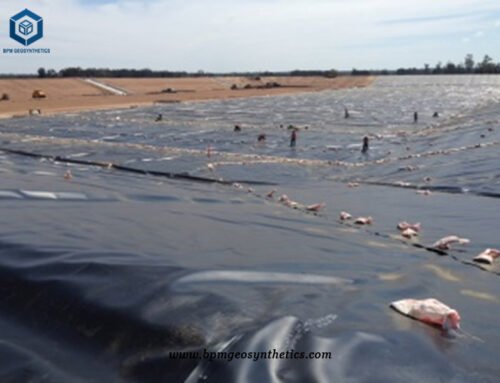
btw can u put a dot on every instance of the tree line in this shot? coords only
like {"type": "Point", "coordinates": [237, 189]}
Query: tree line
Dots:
{"type": "Point", "coordinates": [468, 66]}
{"type": "Point", "coordinates": [107, 72]}
{"type": "Point", "coordinates": [148, 73]}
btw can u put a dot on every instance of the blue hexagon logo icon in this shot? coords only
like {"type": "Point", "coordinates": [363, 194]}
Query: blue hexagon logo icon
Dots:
{"type": "Point", "coordinates": [26, 27]}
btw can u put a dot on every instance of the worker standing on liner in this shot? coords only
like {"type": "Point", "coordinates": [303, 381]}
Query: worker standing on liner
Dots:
{"type": "Point", "coordinates": [293, 138]}
{"type": "Point", "coordinates": [365, 144]}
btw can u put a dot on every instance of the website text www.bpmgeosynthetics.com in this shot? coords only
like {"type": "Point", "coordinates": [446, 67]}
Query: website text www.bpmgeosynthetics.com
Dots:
{"type": "Point", "coordinates": [251, 355]}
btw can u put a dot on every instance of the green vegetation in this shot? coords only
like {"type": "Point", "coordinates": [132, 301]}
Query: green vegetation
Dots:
{"type": "Point", "coordinates": [468, 66]}
{"type": "Point", "coordinates": [148, 73]}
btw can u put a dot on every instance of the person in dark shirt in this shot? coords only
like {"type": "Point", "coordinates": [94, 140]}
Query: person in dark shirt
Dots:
{"type": "Point", "coordinates": [293, 138]}
{"type": "Point", "coordinates": [365, 144]}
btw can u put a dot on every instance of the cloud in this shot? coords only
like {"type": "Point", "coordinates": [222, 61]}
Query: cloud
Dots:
{"type": "Point", "coordinates": [474, 36]}
{"type": "Point", "coordinates": [437, 18]}
{"type": "Point", "coordinates": [228, 35]}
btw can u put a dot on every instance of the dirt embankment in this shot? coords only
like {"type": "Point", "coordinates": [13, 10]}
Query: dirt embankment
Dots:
{"type": "Point", "coordinates": [73, 95]}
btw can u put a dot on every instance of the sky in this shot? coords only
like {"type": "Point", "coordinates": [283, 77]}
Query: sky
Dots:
{"type": "Point", "coordinates": [253, 35]}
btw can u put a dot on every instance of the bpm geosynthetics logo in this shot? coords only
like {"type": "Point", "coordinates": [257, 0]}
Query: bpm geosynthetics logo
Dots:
{"type": "Point", "coordinates": [26, 27]}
